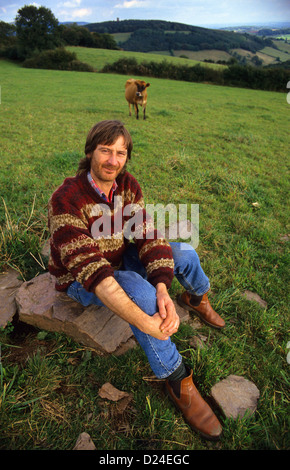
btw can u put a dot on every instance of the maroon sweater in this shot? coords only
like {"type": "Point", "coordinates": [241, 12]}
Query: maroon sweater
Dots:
{"type": "Point", "coordinates": [89, 235]}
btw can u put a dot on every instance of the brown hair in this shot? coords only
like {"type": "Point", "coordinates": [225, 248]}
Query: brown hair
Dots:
{"type": "Point", "coordinates": [104, 132]}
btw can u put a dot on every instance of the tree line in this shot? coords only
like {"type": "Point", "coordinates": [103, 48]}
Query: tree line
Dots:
{"type": "Point", "coordinates": [36, 30]}
{"type": "Point", "coordinates": [270, 79]}
{"type": "Point", "coordinates": [146, 40]}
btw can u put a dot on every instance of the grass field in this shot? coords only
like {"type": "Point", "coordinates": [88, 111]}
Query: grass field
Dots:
{"type": "Point", "coordinates": [226, 149]}
{"type": "Point", "coordinates": [283, 56]}
{"type": "Point", "coordinates": [103, 57]}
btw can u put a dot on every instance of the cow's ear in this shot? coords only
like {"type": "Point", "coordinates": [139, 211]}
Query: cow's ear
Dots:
{"type": "Point", "coordinates": [147, 84]}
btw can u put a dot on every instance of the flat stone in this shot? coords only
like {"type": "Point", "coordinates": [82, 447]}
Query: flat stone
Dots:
{"type": "Point", "coordinates": [255, 297]}
{"type": "Point", "coordinates": [84, 442]}
{"type": "Point", "coordinates": [40, 305]}
{"type": "Point", "coordinates": [110, 392]}
{"type": "Point", "coordinates": [9, 284]}
{"type": "Point", "coordinates": [236, 395]}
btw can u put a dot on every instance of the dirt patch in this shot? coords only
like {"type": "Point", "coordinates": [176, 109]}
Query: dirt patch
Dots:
{"type": "Point", "coordinates": [24, 344]}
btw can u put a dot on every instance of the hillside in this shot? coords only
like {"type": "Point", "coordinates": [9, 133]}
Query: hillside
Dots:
{"type": "Point", "coordinates": [178, 38]}
{"type": "Point", "coordinates": [193, 42]}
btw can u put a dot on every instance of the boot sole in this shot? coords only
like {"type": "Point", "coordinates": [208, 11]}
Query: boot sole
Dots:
{"type": "Point", "coordinates": [195, 312]}
{"type": "Point", "coordinates": [197, 431]}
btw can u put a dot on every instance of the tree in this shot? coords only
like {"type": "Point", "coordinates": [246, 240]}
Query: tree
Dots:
{"type": "Point", "coordinates": [7, 33]}
{"type": "Point", "coordinates": [37, 29]}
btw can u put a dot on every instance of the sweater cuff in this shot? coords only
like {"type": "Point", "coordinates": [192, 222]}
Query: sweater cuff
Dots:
{"type": "Point", "coordinates": [164, 276]}
{"type": "Point", "coordinates": [90, 286]}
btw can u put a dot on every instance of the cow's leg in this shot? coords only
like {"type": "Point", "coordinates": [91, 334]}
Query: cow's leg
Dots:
{"type": "Point", "coordinates": [144, 112]}
{"type": "Point", "coordinates": [129, 109]}
{"type": "Point", "coordinates": [136, 111]}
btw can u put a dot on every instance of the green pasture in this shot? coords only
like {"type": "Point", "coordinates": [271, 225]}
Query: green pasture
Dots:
{"type": "Point", "coordinates": [282, 45]}
{"type": "Point", "coordinates": [226, 149]}
{"type": "Point", "coordinates": [283, 56]}
{"type": "Point", "coordinates": [98, 58]}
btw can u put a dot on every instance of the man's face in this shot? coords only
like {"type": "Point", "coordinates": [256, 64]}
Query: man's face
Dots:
{"type": "Point", "coordinates": [107, 161]}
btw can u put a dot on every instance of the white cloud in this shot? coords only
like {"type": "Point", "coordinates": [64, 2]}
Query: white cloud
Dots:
{"type": "Point", "coordinates": [69, 10]}
{"type": "Point", "coordinates": [77, 13]}
{"type": "Point", "coordinates": [81, 12]}
{"type": "Point", "coordinates": [132, 4]}
{"type": "Point", "coordinates": [70, 4]}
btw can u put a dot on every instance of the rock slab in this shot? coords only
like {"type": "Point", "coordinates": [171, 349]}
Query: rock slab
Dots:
{"type": "Point", "coordinates": [236, 395]}
{"type": "Point", "coordinates": [9, 284]}
{"type": "Point", "coordinates": [40, 305]}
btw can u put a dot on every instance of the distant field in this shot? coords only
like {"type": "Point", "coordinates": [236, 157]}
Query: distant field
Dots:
{"type": "Point", "coordinates": [268, 55]}
{"type": "Point", "coordinates": [267, 60]}
{"type": "Point", "coordinates": [284, 36]}
{"type": "Point", "coordinates": [212, 54]}
{"type": "Point", "coordinates": [282, 45]}
{"type": "Point", "coordinates": [283, 56]}
{"type": "Point", "coordinates": [97, 58]}
{"type": "Point", "coordinates": [121, 37]}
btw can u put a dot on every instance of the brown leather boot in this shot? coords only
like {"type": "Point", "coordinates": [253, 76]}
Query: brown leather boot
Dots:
{"type": "Point", "coordinates": [204, 310]}
{"type": "Point", "coordinates": [195, 410]}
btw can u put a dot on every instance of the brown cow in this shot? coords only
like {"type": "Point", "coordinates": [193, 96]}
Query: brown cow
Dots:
{"type": "Point", "coordinates": [136, 93]}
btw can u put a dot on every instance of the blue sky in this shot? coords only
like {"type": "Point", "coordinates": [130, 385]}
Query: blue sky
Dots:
{"type": "Point", "coordinates": [194, 12]}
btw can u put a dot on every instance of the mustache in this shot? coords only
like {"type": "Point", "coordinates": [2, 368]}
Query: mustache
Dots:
{"type": "Point", "coordinates": [110, 167]}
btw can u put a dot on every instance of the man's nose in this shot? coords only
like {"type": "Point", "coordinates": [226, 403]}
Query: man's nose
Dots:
{"type": "Point", "coordinates": [113, 158]}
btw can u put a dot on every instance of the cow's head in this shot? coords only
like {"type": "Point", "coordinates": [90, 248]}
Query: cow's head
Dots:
{"type": "Point", "coordinates": [141, 86]}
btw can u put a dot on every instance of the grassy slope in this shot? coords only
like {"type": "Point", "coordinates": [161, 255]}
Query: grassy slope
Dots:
{"type": "Point", "coordinates": [222, 148]}
{"type": "Point", "coordinates": [100, 57]}
{"type": "Point", "coordinates": [267, 55]}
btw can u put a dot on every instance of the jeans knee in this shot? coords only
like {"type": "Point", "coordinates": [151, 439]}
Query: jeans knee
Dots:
{"type": "Point", "coordinates": [185, 257]}
{"type": "Point", "coordinates": [140, 291]}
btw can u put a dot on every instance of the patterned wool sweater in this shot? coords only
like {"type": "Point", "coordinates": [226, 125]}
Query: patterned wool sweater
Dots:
{"type": "Point", "coordinates": [89, 235]}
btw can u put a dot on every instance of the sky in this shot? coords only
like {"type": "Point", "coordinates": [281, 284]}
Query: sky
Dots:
{"type": "Point", "coordinates": [193, 12]}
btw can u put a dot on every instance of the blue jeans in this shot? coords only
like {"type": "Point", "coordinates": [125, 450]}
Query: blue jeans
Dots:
{"type": "Point", "coordinates": [163, 356]}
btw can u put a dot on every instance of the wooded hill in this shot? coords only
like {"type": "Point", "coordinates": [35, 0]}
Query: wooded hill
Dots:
{"type": "Point", "coordinates": [157, 35]}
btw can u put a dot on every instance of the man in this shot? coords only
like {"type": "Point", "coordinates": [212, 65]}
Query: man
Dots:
{"type": "Point", "coordinates": [95, 262]}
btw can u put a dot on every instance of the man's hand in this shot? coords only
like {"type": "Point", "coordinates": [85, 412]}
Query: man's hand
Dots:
{"type": "Point", "coordinates": [167, 310]}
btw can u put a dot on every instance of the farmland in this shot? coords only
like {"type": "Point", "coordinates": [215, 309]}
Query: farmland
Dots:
{"type": "Point", "coordinates": [226, 149]}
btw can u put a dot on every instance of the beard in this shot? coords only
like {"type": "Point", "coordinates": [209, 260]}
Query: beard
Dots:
{"type": "Point", "coordinates": [107, 173]}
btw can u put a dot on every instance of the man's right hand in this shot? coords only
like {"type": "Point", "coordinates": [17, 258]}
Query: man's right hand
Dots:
{"type": "Point", "coordinates": [154, 326]}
